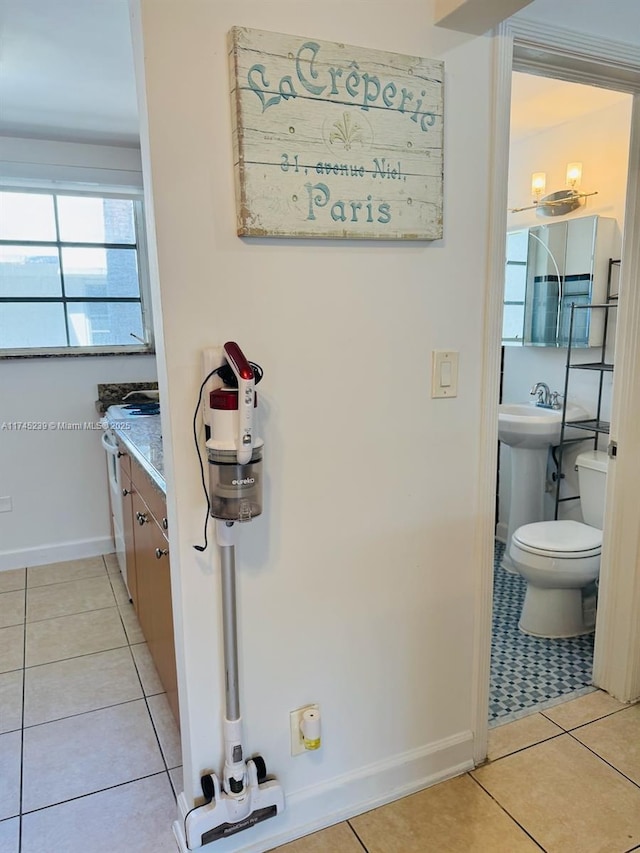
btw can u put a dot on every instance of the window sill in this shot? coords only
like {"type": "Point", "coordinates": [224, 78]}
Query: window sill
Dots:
{"type": "Point", "coordinates": [84, 352]}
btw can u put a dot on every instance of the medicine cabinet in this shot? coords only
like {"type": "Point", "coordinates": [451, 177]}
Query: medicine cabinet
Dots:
{"type": "Point", "coordinates": [549, 268]}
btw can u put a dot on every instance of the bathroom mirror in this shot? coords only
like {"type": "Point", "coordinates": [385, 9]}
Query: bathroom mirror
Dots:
{"type": "Point", "coordinates": [549, 267]}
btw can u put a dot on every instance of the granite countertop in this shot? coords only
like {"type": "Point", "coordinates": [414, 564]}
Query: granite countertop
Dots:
{"type": "Point", "coordinates": [142, 436]}
{"type": "Point", "coordinates": [113, 393]}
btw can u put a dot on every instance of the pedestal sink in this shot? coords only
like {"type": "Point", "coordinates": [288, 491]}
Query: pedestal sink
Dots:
{"type": "Point", "coordinates": [530, 431]}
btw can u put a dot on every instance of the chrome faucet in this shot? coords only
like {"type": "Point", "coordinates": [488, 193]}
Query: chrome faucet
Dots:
{"type": "Point", "coordinates": [555, 401]}
{"type": "Point", "coordinates": [543, 392]}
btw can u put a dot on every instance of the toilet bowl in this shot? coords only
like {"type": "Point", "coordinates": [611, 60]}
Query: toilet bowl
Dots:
{"type": "Point", "coordinates": [559, 558]}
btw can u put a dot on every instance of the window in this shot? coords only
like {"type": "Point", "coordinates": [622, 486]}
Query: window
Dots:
{"type": "Point", "coordinates": [515, 287]}
{"type": "Point", "coordinates": [72, 276]}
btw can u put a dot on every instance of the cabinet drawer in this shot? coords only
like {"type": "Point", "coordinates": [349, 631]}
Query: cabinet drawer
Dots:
{"type": "Point", "coordinates": [152, 496]}
{"type": "Point", "coordinates": [124, 459]}
{"type": "Point", "coordinates": [155, 612]}
{"type": "Point", "coordinates": [129, 537]}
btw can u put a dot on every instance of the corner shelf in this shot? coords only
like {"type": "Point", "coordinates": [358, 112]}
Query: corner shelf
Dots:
{"type": "Point", "coordinates": [594, 365]}
{"type": "Point", "coordinates": [595, 426]}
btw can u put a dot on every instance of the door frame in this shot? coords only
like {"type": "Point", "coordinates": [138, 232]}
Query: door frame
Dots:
{"type": "Point", "coordinates": [583, 59]}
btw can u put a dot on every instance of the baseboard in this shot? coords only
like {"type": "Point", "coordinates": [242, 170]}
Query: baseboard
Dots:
{"type": "Point", "coordinates": [344, 797]}
{"type": "Point", "coordinates": [63, 551]}
{"type": "Point", "coordinates": [501, 531]}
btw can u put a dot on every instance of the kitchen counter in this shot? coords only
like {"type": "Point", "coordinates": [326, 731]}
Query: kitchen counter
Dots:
{"type": "Point", "coordinates": [113, 393]}
{"type": "Point", "coordinates": [142, 436]}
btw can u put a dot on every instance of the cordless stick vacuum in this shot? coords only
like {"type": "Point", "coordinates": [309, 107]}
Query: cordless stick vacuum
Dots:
{"type": "Point", "coordinates": [243, 796]}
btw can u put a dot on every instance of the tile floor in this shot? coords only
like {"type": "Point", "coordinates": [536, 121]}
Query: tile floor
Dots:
{"type": "Point", "coordinates": [89, 751]}
{"type": "Point", "coordinates": [566, 780]}
{"type": "Point", "coordinates": [90, 758]}
{"type": "Point", "coordinates": [530, 673]}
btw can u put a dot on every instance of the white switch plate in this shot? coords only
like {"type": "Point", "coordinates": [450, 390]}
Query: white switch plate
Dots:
{"type": "Point", "coordinates": [5, 504]}
{"type": "Point", "coordinates": [444, 373]}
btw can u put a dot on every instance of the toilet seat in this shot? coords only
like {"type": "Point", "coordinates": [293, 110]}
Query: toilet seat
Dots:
{"type": "Point", "coordinates": [563, 540]}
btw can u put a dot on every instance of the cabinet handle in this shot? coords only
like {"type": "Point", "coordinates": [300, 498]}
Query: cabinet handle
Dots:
{"type": "Point", "coordinates": [142, 518]}
{"type": "Point", "coordinates": [126, 492]}
{"type": "Point", "coordinates": [165, 524]}
{"type": "Point", "coordinates": [161, 552]}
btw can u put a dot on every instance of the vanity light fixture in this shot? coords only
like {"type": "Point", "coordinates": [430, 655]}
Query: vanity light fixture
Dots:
{"type": "Point", "coordinates": [538, 184]}
{"type": "Point", "coordinates": [557, 203]}
{"type": "Point", "coordinates": [574, 175]}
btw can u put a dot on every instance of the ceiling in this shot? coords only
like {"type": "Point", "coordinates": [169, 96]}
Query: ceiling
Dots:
{"type": "Point", "coordinates": [540, 103]}
{"type": "Point", "coordinates": [66, 70]}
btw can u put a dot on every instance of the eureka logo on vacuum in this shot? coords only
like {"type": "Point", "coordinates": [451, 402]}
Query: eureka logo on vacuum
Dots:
{"type": "Point", "coordinates": [248, 481]}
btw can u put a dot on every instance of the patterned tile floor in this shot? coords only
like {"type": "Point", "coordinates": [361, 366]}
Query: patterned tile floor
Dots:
{"type": "Point", "coordinates": [530, 673]}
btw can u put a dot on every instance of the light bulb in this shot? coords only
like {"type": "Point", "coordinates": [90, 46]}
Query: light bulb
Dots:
{"type": "Point", "coordinates": [538, 183]}
{"type": "Point", "coordinates": [574, 174]}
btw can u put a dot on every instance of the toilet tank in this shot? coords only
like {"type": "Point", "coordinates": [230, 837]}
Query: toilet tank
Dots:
{"type": "Point", "coordinates": [592, 479]}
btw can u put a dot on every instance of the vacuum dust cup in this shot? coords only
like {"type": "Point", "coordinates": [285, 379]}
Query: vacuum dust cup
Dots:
{"type": "Point", "coordinates": [235, 491]}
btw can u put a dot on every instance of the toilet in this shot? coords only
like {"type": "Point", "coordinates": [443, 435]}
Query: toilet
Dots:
{"type": "Point", "coordinates": [559, 558]}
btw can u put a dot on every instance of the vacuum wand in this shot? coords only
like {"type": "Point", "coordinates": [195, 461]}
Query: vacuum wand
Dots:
{"type": "Point", "coordinates": [230, 625]}
{"type": "Point", "coordinates": [234, 779]}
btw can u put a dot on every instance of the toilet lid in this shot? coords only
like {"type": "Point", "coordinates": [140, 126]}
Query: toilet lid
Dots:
{"type": "Point", "coordinates": [559, 537]}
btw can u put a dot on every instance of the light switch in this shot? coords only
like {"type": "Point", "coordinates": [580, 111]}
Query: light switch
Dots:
{"type": "Point", "coordinates": [444, 373]}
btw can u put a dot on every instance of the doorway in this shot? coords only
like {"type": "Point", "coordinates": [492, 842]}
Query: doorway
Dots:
{"type": "Point", "coordinates": [562, 54]}
{"type": "Point", "coordinates": [552, 123]}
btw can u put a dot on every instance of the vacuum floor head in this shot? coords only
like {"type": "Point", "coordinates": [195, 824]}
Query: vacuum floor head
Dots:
{"type": "Point", "coordinates": [227, 815]}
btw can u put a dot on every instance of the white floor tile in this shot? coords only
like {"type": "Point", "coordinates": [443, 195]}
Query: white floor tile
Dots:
{"type": "Point", "coordinates": [70, 570]}
{"type": "Point", "coordinates": [10, 702]}
{"type": "Point", "coordinates": [119, 589]}
{"type": "Point", "coordinates": [71, 636]}
{"type": "Point", "coordinates": [12, 608]}
{"type": "Point", "coordinates": [149, 677]}
{"type": "Point", "coordinates": [10, 774]}
{"type": "Point", "coordinates": [177, 780]}
{"type": "Point", "coordinates": [135, 818]}
{"type": "Point", "coordinates": [11, 648]}
{"type": "Point", "coordinates": [63, 599]}
{"type": "Point", "coordinates": [78, 685]}
{"type": "Point", "coordinates": [9, 835]}
{"type": "Point", "coordinates": [12, 579]}
{"type": "Point", "coordinates": [81, 755]}
{"type": "Point", "coordinates": [167, 729]}
{"type": "Point", "coordinates": [131, 624]}
{"type": "Point", "coordinates": [111, 562]}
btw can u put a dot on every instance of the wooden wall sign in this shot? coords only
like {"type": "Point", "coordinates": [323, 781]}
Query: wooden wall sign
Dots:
{"type": "Point", "coordinates": [335, 141]}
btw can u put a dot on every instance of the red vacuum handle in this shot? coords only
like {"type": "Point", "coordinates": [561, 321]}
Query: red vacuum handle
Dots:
{"type": "Point", "coordinates": [246, 399]}
{"type": "Point", "coordinates": [237, 360]}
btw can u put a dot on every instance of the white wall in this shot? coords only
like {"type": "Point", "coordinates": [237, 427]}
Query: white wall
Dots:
{"type": "Point", "coordinates": [57, 478]}
{"type": "Point", "coordinates": [600, 141]}
{"type": "Point", "coordinates": [356, 585]}
{"type": "Point", "coordinates": [37, 160]}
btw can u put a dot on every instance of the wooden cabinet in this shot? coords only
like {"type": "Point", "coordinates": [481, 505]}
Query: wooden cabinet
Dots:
{"type": "Point", "coordinates": [126, 487]}
{"type": "Point", "coordinates": [148, 569]}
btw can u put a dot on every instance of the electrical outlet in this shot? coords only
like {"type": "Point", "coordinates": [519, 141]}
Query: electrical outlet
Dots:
{"type": "Point", "coordinates": [6, 504]}
{"type": "Point", "coordinates": [295, 719]}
